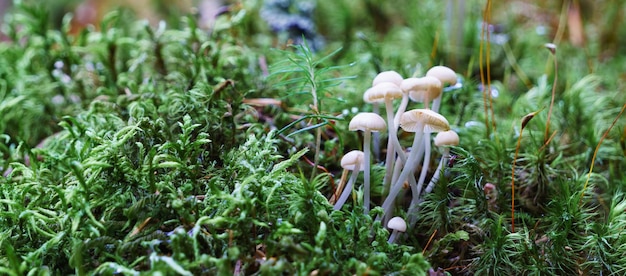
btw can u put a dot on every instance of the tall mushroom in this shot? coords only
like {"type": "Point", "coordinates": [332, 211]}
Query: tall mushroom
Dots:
{"type": "Point", "coordinates": [423, 90]}
{"type": "Point", "coordinates": [386, 92]}
{"type": "Point", "coordinates": [419, 121]}
{"type": "Point", "coordinates": [446, 76]}
{"type": "Point", "coordinates": [367, 122]}
{"type": "Point", "coordinates": [385, 76]}
{"type": "Point", "coordinates": [351, 161]}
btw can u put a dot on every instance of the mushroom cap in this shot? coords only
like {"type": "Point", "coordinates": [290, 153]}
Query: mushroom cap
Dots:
{"type": "Point", "coordinates": [387, 76]}
{"type": "Point", "coordinates": [397, 223]}
{"type": "Point", "coordinates": [351, 159]}
{"type": "Point", "coordinates": [423, 89]}
{"type": "Point", "coordinates": [443, 74]}
{"type": "Point", "coordinates": [381, 92]}
{"type": "Point", "coordinates": [430, 121]}
{"type": "Point", "coordinates": [367, 121]}
{"type": "Point", "coordinates": [447, 138]}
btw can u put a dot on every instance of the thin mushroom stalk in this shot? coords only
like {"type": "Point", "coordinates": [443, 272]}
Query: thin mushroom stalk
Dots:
{"type": "Point", "coordinates": [404, 102]}
{"type": "Point", "coordinates": [408, 168]}
{"type": "Point", "coordinates": [384, 76]}
{"type": "Point", "coordinates": [367, 122]}
{"type": "Point", "coordinates": [416, 191]}
{"type": "Point", "coordinates": [418, 121]}
{"type": "Point", "coordinates": [400, 163]}
{"type": "Point", "coordinates": [393, 145]}
{"type": "Point", "coordinates": [366, 176]}
{"type": "Point", "coordinates": [424, 172]}
{"type": "Point", "coordinates": [386, 92]}
{"type": "Point", "coordinates": [348, 188]}
{"type": "Point", "coordinates": [376, 135]}
{"type": "Point", "coordinates": [435, 178]}
{"type": "Point", "coordinates": [423, 90]}
{"type": "Point", "coordinates": [443, 139]}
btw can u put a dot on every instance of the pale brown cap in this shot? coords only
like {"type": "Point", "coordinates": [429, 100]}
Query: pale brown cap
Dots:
{"type": "Point", "coordinates": [443, 74]}
{"type": "Point", "coordinates": [367, 121]}
{"type": "Point", "coordinates": [350, 159]}
{"type": "Point", "coordinates": [447, 138]}
{"type": "Point", "coordinates": [423, 89]}
{"type": "Point", "coordinates": [430, 120]}
{"type": "Point", "coordinates": [387, 76]}
{"type": "Point", "coordinates": [382, 91]}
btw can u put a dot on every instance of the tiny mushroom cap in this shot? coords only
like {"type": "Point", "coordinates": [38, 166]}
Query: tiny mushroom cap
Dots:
{"type": "Point", "coordinates": [351, 159]}
{"type": "Point", "coordinates": [423, 89]}
{"type": "Point", "coordinates": [387, 76]}
{"type": "Point", "coordinates": [447, 138]}
{"type": "Point", "coordinates": [428, 120]}
{"type": "Point", "coordinates": [382, 91]}
{"type": "Point", "coordinates": [397, 223]}
{"type": "Point", "coordinates": [367, 121]}
{"type": "Point", "coordinates": [444, 74]}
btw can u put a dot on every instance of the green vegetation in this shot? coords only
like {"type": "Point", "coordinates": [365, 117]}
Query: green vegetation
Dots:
{"type": "Point", "coordinates": [134, 148]}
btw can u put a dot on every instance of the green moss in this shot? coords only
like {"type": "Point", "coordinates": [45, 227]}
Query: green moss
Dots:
{"type": "Point", "coordinates": [137, 148]}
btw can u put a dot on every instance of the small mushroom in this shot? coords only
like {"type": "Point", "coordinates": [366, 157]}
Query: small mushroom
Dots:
{"type": "Point", "coordinates": [398, 225]}
{"type": "Point", "coordinates": [367, 122]}
{"type": "Point", "coordinates": [446, 76]}
{"type": "Point", "coordinates": [424, 89]}
{"type": "Point", "coordinates": [387, 76]}
{"type": "Point", "coordinates": [444, 139]}
{"type": "Point", "coordinates": [351, 161]}
{"type": "Point", "coordinates": [419, 121]}
{"type": "Point", "coordinates": [386, 92]}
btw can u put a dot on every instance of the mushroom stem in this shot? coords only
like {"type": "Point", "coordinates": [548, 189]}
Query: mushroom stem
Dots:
{"type": "Point", "coordinates": [409, 167]}
{"type": "Point", "coordinates": [435, 178]}
{"type": "Point", "coordinates": [376, 135]}
{"type": "Point", "coordinates": [348, 189]}
{"type": "Point", "coordinates": [425, 163]}
{"type": "Point", "coordinates": [367, 136]}
{"type": "Point", "coordinates": [437, 103]}
{"type": "Point", "coordinates": [400, 162]}
{"type": "Point", "coordinates": [417, 189]}
{"type": "Point", "coordinates": [393, 236]}
{"type": "Point", "coordinates": [401, 109]}
{"type": "Point", "coordinates": [393, 147]}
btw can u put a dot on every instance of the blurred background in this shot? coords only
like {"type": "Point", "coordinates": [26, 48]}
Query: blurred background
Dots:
{"type": "Point", "coordinates": [589, 34]}
{"type": "Point", "coordinates": [588, 23]}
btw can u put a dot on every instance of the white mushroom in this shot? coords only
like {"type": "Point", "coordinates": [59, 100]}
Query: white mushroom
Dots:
{"type": "Point", "coordinates": [367, 122]}
{"type": "Point", "coordinates": [386, 92]}
{"type": "Point", "coordinates": [447, 77]}
{"type": "Point", "coordinates": [444, 140]}
{"type": "Point", "coordinates": [385, 76]}
{"type": "Point", "coordinates": [398, 225]}
{"type": "Point", "coordinates": [419, 121]}
{"type": "Point", "coordinates": [351, 161]}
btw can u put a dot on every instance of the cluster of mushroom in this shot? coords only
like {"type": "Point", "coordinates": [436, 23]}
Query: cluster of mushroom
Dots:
{"type": "Point", "coordinates": [400, 165]}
